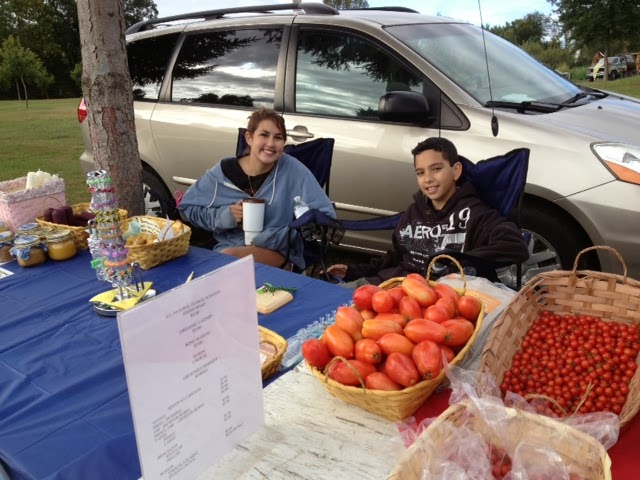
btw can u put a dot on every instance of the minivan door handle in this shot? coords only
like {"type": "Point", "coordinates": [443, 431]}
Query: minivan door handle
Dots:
{"type": "Point", "coordinates": [299, 132]}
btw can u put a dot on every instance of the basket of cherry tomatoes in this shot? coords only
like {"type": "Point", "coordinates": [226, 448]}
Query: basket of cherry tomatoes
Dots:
{"type": "Point", "coordinates": [502, 442]}
{"type": "Point", "coordinates": [573, 338]}
{"type": "Point", "coordinates": [386, 353]}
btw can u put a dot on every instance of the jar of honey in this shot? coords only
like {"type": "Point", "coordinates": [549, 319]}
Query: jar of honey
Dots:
{"type": "Point", "coordinates": [60, 245]}
{"type": "Point", "coordinates": [6, 242]}
{"type": "Point", "coordinates": [29, 250]}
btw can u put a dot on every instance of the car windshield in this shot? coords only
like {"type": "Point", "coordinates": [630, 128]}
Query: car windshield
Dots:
{"type": "Point", "coordinates": [457, 50]}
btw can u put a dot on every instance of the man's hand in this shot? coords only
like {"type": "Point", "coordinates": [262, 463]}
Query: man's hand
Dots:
{"type": "Point", "coordinates": [338, 270]}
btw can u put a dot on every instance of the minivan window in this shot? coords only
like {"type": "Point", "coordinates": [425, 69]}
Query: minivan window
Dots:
{"type": "Point", "coordinates": [457, 50]}
{"type": "Point", "coordinates": [147, 63]}
{"type": "Point", "coordinates": [343, 75]}
{"type": "Point", "coordinates": [235, 67]}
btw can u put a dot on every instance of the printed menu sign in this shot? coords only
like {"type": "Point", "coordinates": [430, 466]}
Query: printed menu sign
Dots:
{"type": "Point", "coordinates": [192, 362]}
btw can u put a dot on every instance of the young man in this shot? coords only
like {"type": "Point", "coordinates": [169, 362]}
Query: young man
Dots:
{"type": "Point", "coordinates": [444, 218]}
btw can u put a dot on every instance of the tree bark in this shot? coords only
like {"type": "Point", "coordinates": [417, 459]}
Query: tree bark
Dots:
{"type": "Point", "coordinates": [107, 89]}
{"type": "Point", "coordinates": [26, 98]}
{"type": "Point", "coordinates": [18, 90]}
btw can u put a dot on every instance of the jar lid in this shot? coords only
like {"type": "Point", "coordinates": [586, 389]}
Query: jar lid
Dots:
{"type": "Point", "coordinates": [58, 235]}
{"type": "Point", "coordinates": [24, 241]}
{"type": "Point", "coordinates": [27, 227]}
{"type": "Point", "coordinates": [6, 236]}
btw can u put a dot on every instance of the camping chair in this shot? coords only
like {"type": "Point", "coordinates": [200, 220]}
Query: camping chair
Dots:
{"type": "Point", "coordinates": [318, 230]}
{"type": "Point", "coordinates": [499, 182]}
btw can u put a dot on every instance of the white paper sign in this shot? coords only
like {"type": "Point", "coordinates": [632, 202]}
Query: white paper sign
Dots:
{"type": "Point", "coordinates": [192, 362]}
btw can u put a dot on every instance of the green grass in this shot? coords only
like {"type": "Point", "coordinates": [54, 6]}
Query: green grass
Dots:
{"type": "Point", "coordinates": [625, 86]}
{"type": "Point", "coordinates": [45, 136]}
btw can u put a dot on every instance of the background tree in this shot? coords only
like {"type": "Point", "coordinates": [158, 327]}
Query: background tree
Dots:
{"type": "Point", "coordinates": [49, 28]}
{"type": "Point", "coordinates": [600, 22]}
{"type": "Point", "coordinates": [22, 67]}
{"type": "Point", "coordinates": [107, 87]}
{"type": "Point", "coordinates": [346, 4]}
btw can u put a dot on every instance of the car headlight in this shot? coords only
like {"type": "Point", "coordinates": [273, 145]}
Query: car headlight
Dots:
{"type": "Point", "coordinates": [623, 161]}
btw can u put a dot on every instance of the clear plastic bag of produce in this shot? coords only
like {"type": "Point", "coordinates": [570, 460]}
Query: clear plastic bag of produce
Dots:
{"type": "Point", "coordinates": [482, 437]}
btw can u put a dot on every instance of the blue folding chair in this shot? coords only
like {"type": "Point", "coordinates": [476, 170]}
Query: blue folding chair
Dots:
{"type": "Point", "coordinates": [499, 182]}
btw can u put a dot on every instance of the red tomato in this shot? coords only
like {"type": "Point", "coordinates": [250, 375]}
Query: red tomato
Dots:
{"type": "Point", "coordinates": [401, 369]}
{"type": "Point", "coordinates": [448, 353]}
{"type": "Point", "coordinates": [343, 373]}
{"type": "Point", "coordinates": [380, 381]}
{"type": "Point", "coordinates": [395, 342]}
{"type": "Point", "coordinates": [449, 305]}
{"type": "Point", "coordinates": [375, 328]}
{"type": "Point", "coordinates": [367, 350]}
{"type": "Point", "coordinates": [437, 313]}
{"type": "Point", "coordinates": [459, 331]}
{"type": "Point", "coordinates": [423, 293]}
{"type": "Point", "coordinates": [397, 294]}
{"type": "Point", "coordinates": [350, 320]}
{"type": "Point", "coordinates": [419, 277]}
{"type": "Point", "coordinates": [469, 307]}
{"type": "Point", "coordinates": [339, 342]}
{"type": "Point", "coordinates": [382, 301]}
{"type": "Point", "coordinates": [410, 308]}
{"type": "Point", "coordinates": [396, 317]}
{"type": "Point", "coordinates": [362, 296]}
{"type": "Point", "coordinates": [316, 353]}
{"type": "Point", "coordinates": [444, 290]}
{"type": "Point", "coordinates": [419, 330]}
{"type": "Point", "coordinates": [427, 356]}
{"type": "Point", "coordinates": [368, 314]}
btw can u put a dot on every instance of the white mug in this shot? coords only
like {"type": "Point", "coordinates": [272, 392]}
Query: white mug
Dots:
{"type": "Point", "coordinates": [252, 218]}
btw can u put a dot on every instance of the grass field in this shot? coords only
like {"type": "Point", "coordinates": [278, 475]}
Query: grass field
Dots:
{"type": "Point", "coordinates": [45, 136]}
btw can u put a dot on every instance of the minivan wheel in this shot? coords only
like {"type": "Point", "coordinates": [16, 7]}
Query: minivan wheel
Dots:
{"type": "Point", "coordinates": [552, 243]}
{"type": "Point", "coordinates": [152, 188]}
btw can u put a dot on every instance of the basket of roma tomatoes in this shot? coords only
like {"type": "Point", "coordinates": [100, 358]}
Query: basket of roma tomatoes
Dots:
{"type": "Point", "coordinates": [512, 442]}
{"type": "Point", "coordinates": [572, 338]}
{"type": "Point", "coordinates": [386, 353]}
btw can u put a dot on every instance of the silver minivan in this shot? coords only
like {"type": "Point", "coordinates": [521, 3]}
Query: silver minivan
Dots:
{"type": "Point", "coordinates": [197, 79]}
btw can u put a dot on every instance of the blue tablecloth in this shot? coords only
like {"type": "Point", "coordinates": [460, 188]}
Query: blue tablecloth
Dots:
{"type": "Point", "coordinates": [64, 405]}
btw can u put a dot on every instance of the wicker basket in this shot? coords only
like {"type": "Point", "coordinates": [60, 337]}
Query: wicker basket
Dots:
{"type": "Point", "coordinates": [397, 405]}
{"type": "Point", "coordinates": [79, 234]}
{"type": "Point", "coordinates": [614, 298]}
{"type": "Point", "coordinates": [580, 452]}
{"type": "Point", "coordinates": [152, 254]}
{"type": "Point", "coordinates": [280, 344]}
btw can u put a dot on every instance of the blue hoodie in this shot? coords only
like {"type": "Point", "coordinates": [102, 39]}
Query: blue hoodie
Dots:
{"type": "Point", "coordinates": [207, 204]}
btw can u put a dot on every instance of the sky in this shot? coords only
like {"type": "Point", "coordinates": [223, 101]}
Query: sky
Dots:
{"type": "Point", "coordinates": [494, 12]}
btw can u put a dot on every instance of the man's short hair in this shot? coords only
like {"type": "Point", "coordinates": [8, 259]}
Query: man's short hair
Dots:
{"type": "Point", "coordinates": [439, 144]}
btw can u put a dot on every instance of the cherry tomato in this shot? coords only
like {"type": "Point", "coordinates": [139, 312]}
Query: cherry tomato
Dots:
{"type": "Point", "coordinates": [367, 350]}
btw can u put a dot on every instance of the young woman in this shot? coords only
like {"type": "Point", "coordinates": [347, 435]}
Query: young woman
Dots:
{"type": "Point", "coordinates": [264, 172]}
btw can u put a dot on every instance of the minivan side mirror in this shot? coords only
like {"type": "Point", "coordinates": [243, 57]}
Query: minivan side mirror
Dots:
{"type": "Point", "coordinates": [405, 107]}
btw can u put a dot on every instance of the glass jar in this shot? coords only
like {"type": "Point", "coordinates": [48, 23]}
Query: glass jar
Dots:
{"type": "Point", "coordinates": [27, 229]}
{"type": "Point", "coordinates": [6, 242]}
{"type": "Point", "coordinates": [29, 250]}
{"type": "Point", "coordinates": [60, 245]}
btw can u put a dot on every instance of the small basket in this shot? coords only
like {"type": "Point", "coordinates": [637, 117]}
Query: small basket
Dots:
{"type": "Point", "coordinates": [580, 452]}
{"type": "Point", "coordinates": [80, 234]}
{"type": "Point", "coordinates": [611, 297]}
{"type": "Point", "coordinates": [19, 206]}
{"type": "Point", "coordinates": [398, 405]}
{"type": "Point", "coordinates": [152, 254]}
{"type": "Point", "coordinates": [271, 366]}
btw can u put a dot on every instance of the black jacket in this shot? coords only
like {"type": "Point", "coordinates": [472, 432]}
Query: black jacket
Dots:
{"type": "Point", "coordinates": [466, 228]}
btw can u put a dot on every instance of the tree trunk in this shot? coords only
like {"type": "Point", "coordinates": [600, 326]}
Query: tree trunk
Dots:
{"type": "Point", "coordinates": [107, 89]}
{"type": "Point", "coordinates": [26, 97]}
{"type": "Point", "coordinates": [18, 90]}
